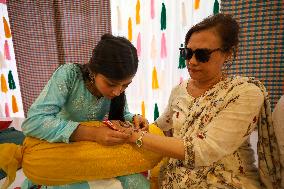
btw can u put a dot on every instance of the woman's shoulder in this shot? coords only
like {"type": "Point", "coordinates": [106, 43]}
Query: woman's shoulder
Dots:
{"type": "Point", "coordinates": [247, 84]}
{"type": "Point", "coordinates": [181, 87]}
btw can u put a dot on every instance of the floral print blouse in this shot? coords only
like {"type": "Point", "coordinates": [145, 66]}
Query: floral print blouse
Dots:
{"type": "Point", "coordinates": [215, 128]}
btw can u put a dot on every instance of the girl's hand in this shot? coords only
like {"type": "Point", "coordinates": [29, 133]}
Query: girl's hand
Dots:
{"type": "Point", "coordinates": [109, 137]}
{"type": "Point", "coordinates": [102, 135]}
{"type": "Point", "coordinates": [140, 122]}
{"type": "Point", "coordinates": [124, 127]}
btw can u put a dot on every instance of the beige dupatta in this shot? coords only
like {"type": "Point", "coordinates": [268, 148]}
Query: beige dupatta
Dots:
{"type": "Point", "coordinates": [267, 148]}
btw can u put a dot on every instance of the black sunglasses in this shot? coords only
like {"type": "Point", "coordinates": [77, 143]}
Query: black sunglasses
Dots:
{"type": "Point", "coordinates": [201, 55]}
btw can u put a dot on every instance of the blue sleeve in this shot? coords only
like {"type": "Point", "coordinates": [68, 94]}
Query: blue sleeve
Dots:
{"type": "Point", "coordinates": [127, 115]}
{"type": "Point", "coordinates": [42, 120]}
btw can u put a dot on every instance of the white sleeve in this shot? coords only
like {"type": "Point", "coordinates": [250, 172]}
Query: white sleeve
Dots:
{"type": "Point", "coordinates": [165, 121]}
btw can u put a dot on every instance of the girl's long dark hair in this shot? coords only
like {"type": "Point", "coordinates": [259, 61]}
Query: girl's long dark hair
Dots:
{"type": "Point", "coordinates": [116, 59]}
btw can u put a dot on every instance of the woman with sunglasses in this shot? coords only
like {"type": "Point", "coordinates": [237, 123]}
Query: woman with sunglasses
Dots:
{"type": "Point", "coordinates": [211, 117]}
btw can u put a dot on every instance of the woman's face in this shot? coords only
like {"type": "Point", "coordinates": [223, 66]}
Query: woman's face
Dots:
{"type": "Point", "coordinates": [206, 71]}
{"type": "Point", "coordinates": [111, 88]}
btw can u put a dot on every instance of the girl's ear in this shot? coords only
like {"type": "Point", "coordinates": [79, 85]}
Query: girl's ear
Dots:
{"type": "Point", "coordinates": [92, 74]}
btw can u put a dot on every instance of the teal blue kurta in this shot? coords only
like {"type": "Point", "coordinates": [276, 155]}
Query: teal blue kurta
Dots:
{"type": "Point", "coordinates": [64, 102]}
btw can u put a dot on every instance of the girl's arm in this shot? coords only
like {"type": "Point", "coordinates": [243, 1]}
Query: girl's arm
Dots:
{"type": "Point", "coordinates": [42, 121]}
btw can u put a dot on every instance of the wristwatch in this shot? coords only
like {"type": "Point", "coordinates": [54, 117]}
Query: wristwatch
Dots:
{"type": "Point", "coordinates": [139, 141]}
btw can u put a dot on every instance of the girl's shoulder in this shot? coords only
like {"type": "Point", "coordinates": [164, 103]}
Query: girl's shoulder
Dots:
{"type": "Point", "coordinates": [68, 71]}
{"type": "Point", "coordinates": [69, 67]}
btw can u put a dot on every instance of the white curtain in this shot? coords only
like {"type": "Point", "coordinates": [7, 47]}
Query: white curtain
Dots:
{"type": "Point", "coordinates": [10, 93]}
{"type": "Point", "coordinates": [180, 16]}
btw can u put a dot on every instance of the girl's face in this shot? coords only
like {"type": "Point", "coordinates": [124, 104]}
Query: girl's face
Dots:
{"type": "Point", "coordinates": [111, 88]}
{"type": "Point", "coordinates": [207, 40]}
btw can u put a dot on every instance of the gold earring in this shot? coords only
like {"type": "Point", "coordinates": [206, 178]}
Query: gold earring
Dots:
{"type": "Point", "coordinates": [92, 77]}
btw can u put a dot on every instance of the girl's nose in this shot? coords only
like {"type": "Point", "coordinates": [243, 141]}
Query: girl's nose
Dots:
{"type": "Point", "coordinates": [117, 90]}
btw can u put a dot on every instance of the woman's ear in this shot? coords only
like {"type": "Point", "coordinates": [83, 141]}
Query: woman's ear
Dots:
{"type": "Point", "coordinates": [230, 55]}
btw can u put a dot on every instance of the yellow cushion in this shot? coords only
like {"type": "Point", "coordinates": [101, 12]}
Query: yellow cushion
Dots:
{"type": "Point", "coordinates": [59, 163]}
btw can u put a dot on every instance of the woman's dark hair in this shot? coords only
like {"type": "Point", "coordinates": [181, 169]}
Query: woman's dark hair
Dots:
{"type": "Point", "coordinates": [226, 26]}
{"type": "Point", "coordinates": [116, 59]}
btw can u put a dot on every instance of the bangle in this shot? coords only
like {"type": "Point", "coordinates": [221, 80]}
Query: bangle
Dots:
{"type": "Point", "coordinates": [139, 141]}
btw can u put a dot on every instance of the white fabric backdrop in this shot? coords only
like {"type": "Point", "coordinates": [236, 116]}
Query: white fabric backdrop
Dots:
{"type": "Point", "coordinates": [6, 65]}
{"type": "Point", "coordinates": [167, 68]}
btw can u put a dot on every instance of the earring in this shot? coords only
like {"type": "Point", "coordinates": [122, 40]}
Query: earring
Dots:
{"type": "Point", "coordinates": [92, 77]}
{"type": "Point", "coordinates": [226, 66]}
{"type": "Point", "coordinates": [228, 63]}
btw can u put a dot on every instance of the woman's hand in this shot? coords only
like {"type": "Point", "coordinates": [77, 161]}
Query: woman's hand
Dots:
{"type": "Point", "coordinates": [140, 122]}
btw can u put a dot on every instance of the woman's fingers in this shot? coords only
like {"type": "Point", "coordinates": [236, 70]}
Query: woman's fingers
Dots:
{"type": "Point", "coordinates": [141, 123]}
{"type": "Point", "coordinates": [136, 121]}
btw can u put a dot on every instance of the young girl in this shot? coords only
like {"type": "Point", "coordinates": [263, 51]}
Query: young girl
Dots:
{"type": "Point", "coordinates": [94, 91]}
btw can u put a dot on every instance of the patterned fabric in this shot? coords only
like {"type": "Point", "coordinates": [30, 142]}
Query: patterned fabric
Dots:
{"type": "Point", "coordinates": [133, 181]}
{"type": "Point", "coordinates": [100, 184]}
{"type": "Point", "coordinates": [278, 123]}
{"type": "Point", "coordinates": [49, 33]}
{"type": "Point", "coordinates": [215, 128]}
{"type": "Point", "coordinates": [267, 148]}
{"type": "Point", "coordinates": [64, 102]}
{"type": "Point", "coordinates": [10, 135]}
{"type": "Point", "coordinates": [261, 42]}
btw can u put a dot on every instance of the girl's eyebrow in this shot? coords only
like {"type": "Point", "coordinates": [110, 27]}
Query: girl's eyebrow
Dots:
{"type": "Point", "coordinates": [117, 82]}
{"type": "Point", "coordinates": [126, 83]}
